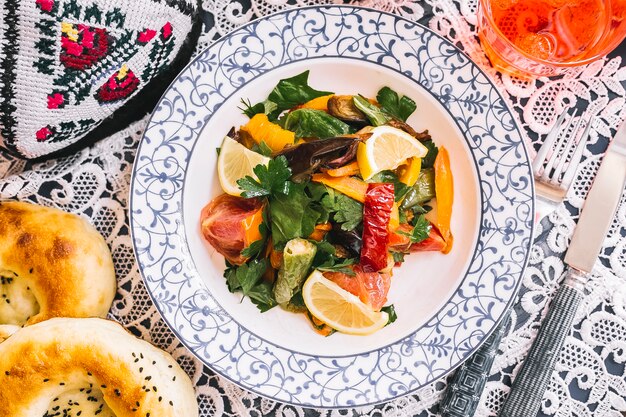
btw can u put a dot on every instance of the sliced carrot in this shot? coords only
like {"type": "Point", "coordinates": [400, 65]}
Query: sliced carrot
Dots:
{"type": "Point", "coordinates": [319, 103]}
{"type": "Point", "coordinates": [444, 189]}
{"type": "Point", "coordinates": [262, 130]}
{"type": "Point", "coordinates": [345, 171]}
{"type": "Point", "coordinates": [411, 171]}
{"type": "Point", "coordinates": [355, 189]}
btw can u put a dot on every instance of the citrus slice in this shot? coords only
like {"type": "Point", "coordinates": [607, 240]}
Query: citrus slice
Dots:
{"type": "Point", "coordinates": [387, 148]}
{"type": "Point", "coordinates": [338, 308]}
{"type": "Point", "coordinates": [235, 162]}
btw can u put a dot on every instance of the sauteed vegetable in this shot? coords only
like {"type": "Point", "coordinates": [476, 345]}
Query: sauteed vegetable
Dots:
{"type": "Point", "coordinates": [325, 195]}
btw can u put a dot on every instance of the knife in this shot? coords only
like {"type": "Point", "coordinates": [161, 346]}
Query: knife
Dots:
{"type": "Point", "coordinates": [531, 382]}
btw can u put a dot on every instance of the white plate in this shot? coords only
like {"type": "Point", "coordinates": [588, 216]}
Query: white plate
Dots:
{"type": "Point", "coordinates": [446, 304]}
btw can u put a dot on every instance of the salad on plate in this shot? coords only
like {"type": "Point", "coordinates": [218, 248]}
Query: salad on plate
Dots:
{"type": "Point", "coordinates": [324, 195]}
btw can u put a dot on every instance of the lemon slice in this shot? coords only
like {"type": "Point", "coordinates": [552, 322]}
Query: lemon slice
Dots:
{"type": "Point", "coordinates": [235, 162]}
{"type": "Point", "coordinates": [340, 309]}
{"type": "Point", "coordinates": [387, 148]}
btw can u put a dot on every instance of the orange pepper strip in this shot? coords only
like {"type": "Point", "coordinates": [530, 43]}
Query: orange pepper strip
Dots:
{"type": "Point", "coordinates": [346, 170]}
{"type": "Point", "coordinates": [444, 189]}
{"type": "Point", "coordinates": [276, 258]}
{"type": "Point", "coordinates": [262, 130]}
{"type": "Point", "coordinates": [411, 171]}
{"type": "Point", "coordinates": [251, 227]}
{"type": "Point", "coordinates": [350, 186]}
{"type": "Point", "coordinates": [319, 103]}
{"type": "Point", "coordinates": [320, 231]}
{"type": "Point", "coordinates": [355, 189]}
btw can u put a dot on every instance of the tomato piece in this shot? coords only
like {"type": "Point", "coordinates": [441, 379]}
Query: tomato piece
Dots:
{"type": "Point", "coordinates": [377, 209]}
{"type": "Point", "coordinates": [226, 223]}
{"type": "Point", "coordinates": [371, 287]}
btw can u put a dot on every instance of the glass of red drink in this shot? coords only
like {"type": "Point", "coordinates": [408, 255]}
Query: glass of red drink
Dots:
{"type": "Point", "coordinates": [543, 37]}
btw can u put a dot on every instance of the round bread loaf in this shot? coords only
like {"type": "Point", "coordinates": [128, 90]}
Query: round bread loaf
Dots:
{"type": "Point", "coordinates": [52, 264]}
{"type": "Point", "coordinates": [80, 366]}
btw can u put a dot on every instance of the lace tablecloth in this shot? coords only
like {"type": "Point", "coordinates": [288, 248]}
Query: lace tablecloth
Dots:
{"type": "Point", "coordinates": [590, 375]}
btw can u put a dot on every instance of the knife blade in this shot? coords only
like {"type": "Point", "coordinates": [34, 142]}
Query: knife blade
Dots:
{"type": "Point", "coordinates": [595, 219]}
{"type": "Point", "coordinates": [601, 202]}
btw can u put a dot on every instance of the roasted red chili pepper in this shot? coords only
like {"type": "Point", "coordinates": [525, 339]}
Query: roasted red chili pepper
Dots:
{"type": "Point", "coordinates": [376, 214]}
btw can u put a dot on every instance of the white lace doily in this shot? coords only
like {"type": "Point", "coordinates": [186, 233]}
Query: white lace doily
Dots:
{"type": "Point", "coordinates": [590, 379]}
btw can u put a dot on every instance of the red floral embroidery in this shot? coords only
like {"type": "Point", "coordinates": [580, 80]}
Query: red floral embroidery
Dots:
{"type": "Point", "coordinates": [166, 30]}
{"type": "Point", "coordinates": [43, 133]}
{"type": "Point", "coordinates": [56, 100]}
{"type": "Point", "coordinates": [82, 45]}
{"type": "Point", "coordinates": [119, 86]}
{"type": "Point", "coordinates": [146, 35]}
{"type": "Point", "coordinates": [45, 5]}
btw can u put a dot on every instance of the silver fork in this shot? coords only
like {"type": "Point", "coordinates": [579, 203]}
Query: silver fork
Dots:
{"type": "Point", "coordinates": [554, 169]}
{"type": "Point", "coordinates": [555, 166]}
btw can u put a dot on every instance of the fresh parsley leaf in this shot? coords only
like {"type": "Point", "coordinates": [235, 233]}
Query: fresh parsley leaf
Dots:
{"type": "Point", "coordinates": [317, 191]}
{"type": "Point", "coordinates": [325, 259]}
{"type": "Point", "coordinates": [400, 108]}
{"type": "Point", "coordinates": [397, 256]}
{"type": "Point", "coordinates": [402, 216]}
{"type": "Point", "coordinates": [420, 231]}
{"type": "Point", "coordinates": [309, 123]}
{"type": "Point", "coordinates": [231, 279]}
{"type": "Point", "coordinates": [261, 295]}
{"type": "Point", "coordinates": [399, 188]}
{"type": "Point", "coordinates": [348, 212]}
{"type": "Point", "coordinates": [265, 107]}
{"type": "Point", "coordinates": [292, 215]}
{"type": "Point", "coordinates": [250, 110]}
{"type": "Point", "coordinates": [272, 179]}
{"type": "Point", "coordinates": [338, 265]}
{"type": "Point", "coordinates": [249, 274]}
{"type": "Point", "coordinates": [391, 311]}
{"type": "Point", "coordinates": [254, 249]}
{"type": "Point", "coordinates": [429, 160]}
{"type": "Point", "coordinates": [344, 209]}
{"type": "Point", "coordinates": [245, 277]}
{"type": "Point", "coordinates": [218, 150]}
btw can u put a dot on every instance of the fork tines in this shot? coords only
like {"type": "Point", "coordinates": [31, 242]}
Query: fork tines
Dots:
{"type": "Point", "coordinates": [558, 158]}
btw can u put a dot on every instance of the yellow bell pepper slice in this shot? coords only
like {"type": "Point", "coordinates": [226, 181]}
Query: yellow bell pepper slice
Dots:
{"type": "Point", "coordinates": [411, 171]}
{"type": "Point", "coordinates": [262, 130]}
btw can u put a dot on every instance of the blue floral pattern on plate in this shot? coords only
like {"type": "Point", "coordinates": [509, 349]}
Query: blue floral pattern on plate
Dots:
{"type": "Point", "coordinates": [472, 312]}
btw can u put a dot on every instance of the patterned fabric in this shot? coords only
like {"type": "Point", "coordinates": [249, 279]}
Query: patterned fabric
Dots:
{"type": "Point", "coordinates": [69, 64]}
{"type": "Point", "coordinates": [590, 376]}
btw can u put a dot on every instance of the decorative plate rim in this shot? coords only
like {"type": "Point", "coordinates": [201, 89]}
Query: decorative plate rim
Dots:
{"type": "Point", "coordinates": [170, 318]}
